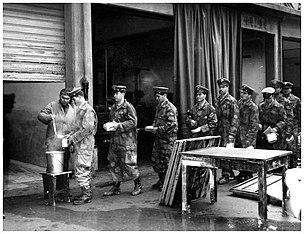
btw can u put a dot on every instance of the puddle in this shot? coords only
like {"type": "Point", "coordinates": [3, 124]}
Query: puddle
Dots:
{"type": "Point", "coordinates": [135, 218]}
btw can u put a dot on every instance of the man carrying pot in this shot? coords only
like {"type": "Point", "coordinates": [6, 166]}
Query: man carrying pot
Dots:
{"type": "Point", "coordinates": [82, 139]}
{"type": "Point", "coordinates": [58, 116]}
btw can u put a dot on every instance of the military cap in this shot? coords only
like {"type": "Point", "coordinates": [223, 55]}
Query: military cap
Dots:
{"type": "Point", "coordinates": [268, 90]}
{"type": "Point", "coordinates": [288, 84]}
{"type": "Point", "coordinates": [74, 91]}
{"type": "Point", "coordinates": [119, 88]}
{"type": "Point", "coordinates": [277, 83]}
{"type": "Point", "coordinates": [248, 89]}
{"type": "Point", "coordinates": [201, 89]}
{"type": "Point", "coordinates": [223, 80]}
{"type": "Point", "coordinates": [160, 90]}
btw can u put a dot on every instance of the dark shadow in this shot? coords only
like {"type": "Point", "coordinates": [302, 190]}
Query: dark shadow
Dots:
{"type": "Point", "coordinates": [8, 105]}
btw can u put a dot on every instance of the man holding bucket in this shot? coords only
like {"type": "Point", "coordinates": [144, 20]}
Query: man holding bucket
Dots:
{"type": "Point", "coordinates": [82, 139]}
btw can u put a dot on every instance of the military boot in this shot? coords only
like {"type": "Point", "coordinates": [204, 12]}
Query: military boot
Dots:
{"type": "Point", "coordinates": [159, 183]}
{"type": "Point", "coordinates": [138, 187]}
{"type": "Point", "coordinates": [115, 190]}
{"type": "Point", "coordinates": [84, 197]}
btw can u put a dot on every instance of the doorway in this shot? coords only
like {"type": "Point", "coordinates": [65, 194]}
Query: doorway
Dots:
{"type": "Point", "coordinates": [292, 64]}
{"type": "Point", "coordinates": [136, 49]}
{"type": "Point", "coordinates": [257, 60]}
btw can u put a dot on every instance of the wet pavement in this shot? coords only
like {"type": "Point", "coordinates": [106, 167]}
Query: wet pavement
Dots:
{"type": "Point", "coordinates": [26, 210]}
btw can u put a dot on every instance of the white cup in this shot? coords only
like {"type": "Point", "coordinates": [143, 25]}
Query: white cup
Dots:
{"type": "Point", "coordinates": [64, 142]}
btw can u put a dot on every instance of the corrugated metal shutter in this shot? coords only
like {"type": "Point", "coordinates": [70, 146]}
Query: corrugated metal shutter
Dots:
{"type": "Point", "coordinates": [33, 42]}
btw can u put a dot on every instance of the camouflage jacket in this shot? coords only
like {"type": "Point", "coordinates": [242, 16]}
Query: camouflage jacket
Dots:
{"type": "Point", "coordinates": [289, 113]}
{"type": "Point", "coordinates": [249, 121]}
{"type": "Point", "coordinates": [296, 105]}
{"type": "Point", "coordinates": [166, 120]}
{"type": "Point", "coordinates": [203, 114]}
{"type": "Point", "coordinates": [227, 112]}
{"type": "Point", "coordinates": [272, 115]}
{"type": "Point", "coordinates": [85, 126]}
{"type": "Point", "coordinates": [63, 122]}
{"type": "Point", "coordinates": [125, 135]}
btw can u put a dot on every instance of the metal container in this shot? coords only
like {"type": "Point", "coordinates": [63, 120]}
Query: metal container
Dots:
{"type": "Point", "coordinates": [55, 161]}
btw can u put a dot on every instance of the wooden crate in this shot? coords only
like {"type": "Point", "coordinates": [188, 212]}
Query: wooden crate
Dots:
{"type": "Point", "coordinates": [171, 192]}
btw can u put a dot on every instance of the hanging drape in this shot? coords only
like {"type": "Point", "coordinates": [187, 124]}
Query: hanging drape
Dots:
{"type": "Point", "coordinates": [206, 48]}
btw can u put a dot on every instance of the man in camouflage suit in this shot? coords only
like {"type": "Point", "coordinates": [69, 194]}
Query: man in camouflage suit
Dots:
{"type": "Point", "coordinates": [272, 114]}
{"type": "Point", "coordinates": [83, 142]}
{"type": "Point", "coordinates": [201, 119]}
{"type": "Point", "coordinates": [227, 112]}
{"type": "Point", "coordinates": [249, 123]}
{"type": "Point", "coordinates": [165, 128]}
{"type": "Point", "coordinates": [278, 96]}
{"type": "Point", "coordinates": [123, 143]}
{"type": "Point", "coordinates": [296, 122]}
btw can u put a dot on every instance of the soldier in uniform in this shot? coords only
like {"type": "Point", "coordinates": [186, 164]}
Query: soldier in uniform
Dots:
{"type": "Point", "coordinates": [278, 96]}
{"type": "Point", "coordinates": [82, 139]}
{"type": "Point", "coordinates": [296, 122]}
{"type": "Point", "coordinates": [271, 114]}
{"type": "Point", "coordinates": [123, 143]}
{"type": "Point", "coordinates": [249, 122]}
{"type": "Point", "coordinates": [202, 119]}
{"type": "Point", "coordinates": [227, 112]}
{"type": "Point", "coordinates": [165, 128]}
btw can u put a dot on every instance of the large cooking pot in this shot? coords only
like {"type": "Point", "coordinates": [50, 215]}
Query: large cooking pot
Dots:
{"type": "Point", "coordinates": [55, 161]}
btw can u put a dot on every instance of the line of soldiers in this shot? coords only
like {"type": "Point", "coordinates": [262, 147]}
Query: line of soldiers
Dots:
{"type": "Point", "coordinates": [242, 123]}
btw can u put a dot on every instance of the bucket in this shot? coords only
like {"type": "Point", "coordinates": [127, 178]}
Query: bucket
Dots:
{"type": "Point", "coordinates": [55, 161]}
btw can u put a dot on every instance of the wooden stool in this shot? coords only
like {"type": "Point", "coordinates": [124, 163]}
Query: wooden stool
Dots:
{"type": "Point", "coordinates": [49, 186]}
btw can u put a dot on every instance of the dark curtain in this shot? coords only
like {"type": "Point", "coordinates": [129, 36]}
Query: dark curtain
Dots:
{"type": "Point", "coordinates": [206, 48]}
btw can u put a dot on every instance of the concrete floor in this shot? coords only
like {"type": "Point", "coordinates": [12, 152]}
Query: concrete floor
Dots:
{"type": "Point", "coordinates": [24, 208]}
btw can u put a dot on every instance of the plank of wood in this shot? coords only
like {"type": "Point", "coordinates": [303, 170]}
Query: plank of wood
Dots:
{"type": "Point", "coordinates": [175, 167]}
{"type": "Point", "coordinates": [168, 174]}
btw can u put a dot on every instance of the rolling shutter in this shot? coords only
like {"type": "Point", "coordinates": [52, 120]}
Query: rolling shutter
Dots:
{"type": "Point", "coordinates": [33, 42]}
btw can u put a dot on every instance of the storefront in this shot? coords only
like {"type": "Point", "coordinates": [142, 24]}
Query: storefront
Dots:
{"type": "Point", "coordinates": [50, 46]}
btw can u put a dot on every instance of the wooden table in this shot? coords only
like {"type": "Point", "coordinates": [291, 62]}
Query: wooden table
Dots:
{"type": "Point", "coordinates": [237, 159]}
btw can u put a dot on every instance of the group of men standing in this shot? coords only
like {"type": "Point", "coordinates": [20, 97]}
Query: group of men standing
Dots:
{"type": "Point", "coordinates": [242, 123]}
{"type": "Point", "coordinates": [239, 123]}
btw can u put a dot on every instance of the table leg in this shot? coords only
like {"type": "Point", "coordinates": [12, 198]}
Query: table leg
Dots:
{"type": "Point", "coordinates": [66, 192]}
{"type": "Point", "coordinates": [45, 188]}
{"type": "Point", "coordinates": [52, 186]}
{"type": "Point", "coordinates": [284, 190]}
{"type": "Point", "coordinates": [185, 206]}
{"type": "Point", "coordinates": [262, 205]}
{"type": "Point", "coordinates": [213, 188]}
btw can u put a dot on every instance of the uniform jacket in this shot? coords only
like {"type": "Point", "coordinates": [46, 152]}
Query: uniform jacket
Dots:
{"type": "Point", "coordinates": [249, 121]}
{"type": "Point", "coordinates": [227, 112]}
{"type": "Point", "coordinates": [272, 115]}
{"type": "Point", "coordinates": [166, 120]}
{"type": "Point", "coordinates": [289, 113]}
{"type": "Point", "coordinates": [296, 105]}
{"type": "Point", "coordinates": [63, 122]}
{"type": "Point", "coordinates": [125, 135]}
{"type": "Point", "coordinates": [204, 115]}
{"type": "Point", "coordinates": [85, 127]}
